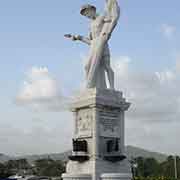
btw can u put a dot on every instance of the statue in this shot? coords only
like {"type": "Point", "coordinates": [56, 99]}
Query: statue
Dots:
{"type": "Point", "coordinates": [101, 28]}
{"type": "Point", "coordinates": [99, 144]}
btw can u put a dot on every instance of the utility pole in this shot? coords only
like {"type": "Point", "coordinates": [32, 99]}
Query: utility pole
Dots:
{"type": "Point", "coordinates": [175, 167]}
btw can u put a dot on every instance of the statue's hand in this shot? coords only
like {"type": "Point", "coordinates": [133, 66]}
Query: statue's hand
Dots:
{"type": "Point", "coordinates": [73, 37]}
{"type": "Point", "coordinates": [68, 36]}
{"type": "Point", "coordinates": [76, 37]}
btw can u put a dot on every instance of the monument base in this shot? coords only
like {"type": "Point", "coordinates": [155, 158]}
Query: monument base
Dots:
{"type": "Point", "coordinates": [98, 143]}
{"type": "Point", "coordinates": [98, 167]}
{"type": "Point", "coordinates": [110, 176]}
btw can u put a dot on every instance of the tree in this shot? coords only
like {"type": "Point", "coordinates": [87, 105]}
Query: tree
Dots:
{"type": "Point", "coordinates": [140, 165]}
{"type": "Point", "coordinates": [18, 164]}
{"type": "Point", "coordinates": [49, 167]}
{"type": "Point", "coordinates": [151, 167]}
{"type": "Point", "coordinates": [168, 166]}
{"type": "Point", "coordinates": [4, 172]}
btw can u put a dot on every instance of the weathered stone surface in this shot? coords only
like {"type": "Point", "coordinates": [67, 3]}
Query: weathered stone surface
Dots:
{"type": "Point", "coordinates": [77, 176]}
{"type": "Point", "coordinates": [99, 97]}
{"type": "Point", "coordinates": [116, 176]}
{"type": "Point", "coordinates": [98, 111]}
{"type": "Point", "coordinates": [99, 120]}
{"type": "Point", "coordinates": [98, 59]}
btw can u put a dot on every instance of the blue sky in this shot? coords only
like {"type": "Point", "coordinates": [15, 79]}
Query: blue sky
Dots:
{"type": "Point", "coordinates": [31, 35]}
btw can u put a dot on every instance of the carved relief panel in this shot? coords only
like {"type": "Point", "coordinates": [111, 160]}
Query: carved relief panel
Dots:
{"type": "Point", "coordinates": [84, 123]}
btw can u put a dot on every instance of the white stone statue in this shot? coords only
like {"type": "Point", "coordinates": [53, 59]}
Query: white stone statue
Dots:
{"type": "Point", "coordinates": [101, 28]}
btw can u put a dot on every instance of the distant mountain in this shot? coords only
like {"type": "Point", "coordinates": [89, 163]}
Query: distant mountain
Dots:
{"type": "Point", "coordinates": [4, 158]}
{"type": "Point", "coordinates": [131, 152]}
{"type": "Point", "coordinates": [55, 156]}
{"type": "Point", "coordinates": [137, 152]}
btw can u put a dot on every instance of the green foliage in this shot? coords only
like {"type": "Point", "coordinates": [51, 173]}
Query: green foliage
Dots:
{"type": "Point", "coordinates": [168, 166]}
{"type": "Point", "coordinates": [42, 167]}
{"type": "Point", "coordinates": [154, 178]}
{"type": "Point", "coordinates": [147, 168]}
{"type": "Point", "coordinates": [49, 167]}
{"type": "Point", "coordinates": [150, 169]}
{"type": "Point", "coordinates": [12, 167]}
{"type": "Point", "coordinates": [4, 171]}
{"type": "Point", "coordinates": [17, 164]}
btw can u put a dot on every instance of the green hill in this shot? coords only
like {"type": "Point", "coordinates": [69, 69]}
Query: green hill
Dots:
{"type": "Point", "coordinates": [4, 158]}
{"type": "Point", "coordinates": [136, 152]}
{"type": "Point", "coordinates": [131, 152]}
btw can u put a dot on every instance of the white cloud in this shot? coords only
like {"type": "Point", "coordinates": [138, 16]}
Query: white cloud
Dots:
{"type": "Point", "coordinates": [37, 137]}
{"type": "Point", "coordinates": [168, 30]}
{"type": "Point", "coordinates": [41, 91]}
{"type": "Point", "coordinates": [154, 95]}
{"type": "Point", "coordinates": [39, 85]}
{"type": "Point", "coordinates": [161, 137]}
{"type": "Point", "coordinates": [178, 63]}
{"type": "Point", "coordinates": [152, 121]}
{"type": "Point", "coordinates": [121, 65]}
{"type": "Point", "coordinates": [165, 76]}
{"type": "Point", "coordinates": [155, 108]}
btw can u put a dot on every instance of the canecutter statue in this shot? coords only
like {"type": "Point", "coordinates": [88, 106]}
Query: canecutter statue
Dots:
{"type": "Point", "coordinates": [98, 151]}
{"type": "Point", "coordinates": [101, 28]}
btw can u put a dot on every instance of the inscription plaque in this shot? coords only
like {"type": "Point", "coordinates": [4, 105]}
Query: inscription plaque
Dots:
{"type": "Point", "coordinates": [109, 122]}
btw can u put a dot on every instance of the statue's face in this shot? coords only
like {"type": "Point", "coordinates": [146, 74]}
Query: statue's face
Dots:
{"type": "Point", "coordinates": [90, 13]}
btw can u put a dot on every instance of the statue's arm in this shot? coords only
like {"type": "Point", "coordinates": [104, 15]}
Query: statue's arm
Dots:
{"type": "Point", "coordinates": [111, 16]}
{"type": "Point", "coordinates": [112, 10]}
{"type": "Point", "coordinates": [83, 39]}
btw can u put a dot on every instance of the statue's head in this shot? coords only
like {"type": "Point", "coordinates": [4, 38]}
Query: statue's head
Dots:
{"type": "Point", "coordinates": [88, 11]}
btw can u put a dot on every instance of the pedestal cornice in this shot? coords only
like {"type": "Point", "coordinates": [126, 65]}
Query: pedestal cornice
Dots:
{"type": "Point", "coordinates": [98, 97]}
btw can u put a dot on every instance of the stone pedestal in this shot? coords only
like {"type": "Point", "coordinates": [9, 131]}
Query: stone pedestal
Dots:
{"type": "Point", "coordinates": [98, 144]}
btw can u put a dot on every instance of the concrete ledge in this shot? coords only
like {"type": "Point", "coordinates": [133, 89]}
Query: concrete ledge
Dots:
{"type": "Point", "coordinates": [76, 176]}
{"type": "Point", "coordinates": [116, 176]}
{"type": "Point", "coordinates": [94, 97]}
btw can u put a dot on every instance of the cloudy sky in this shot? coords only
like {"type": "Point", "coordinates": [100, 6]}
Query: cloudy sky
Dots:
{"type": "Point", "coordinates": [39, 69]}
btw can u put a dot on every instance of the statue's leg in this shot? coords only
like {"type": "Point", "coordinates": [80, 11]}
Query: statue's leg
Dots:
{"type": "Point", "coordinates": [101, 77]}
{"type": "Point", "coordinates": [87, 67]}
{"type": "Point", "coordinates": [109, 70]}
{"type": "Point", "coordinates": [89, 61]}
{"type": "Point", "coordinates": [95, 56]}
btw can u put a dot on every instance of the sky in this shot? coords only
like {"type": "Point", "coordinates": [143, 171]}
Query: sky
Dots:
{"type": "Point", "coordinates": [40, 70]}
